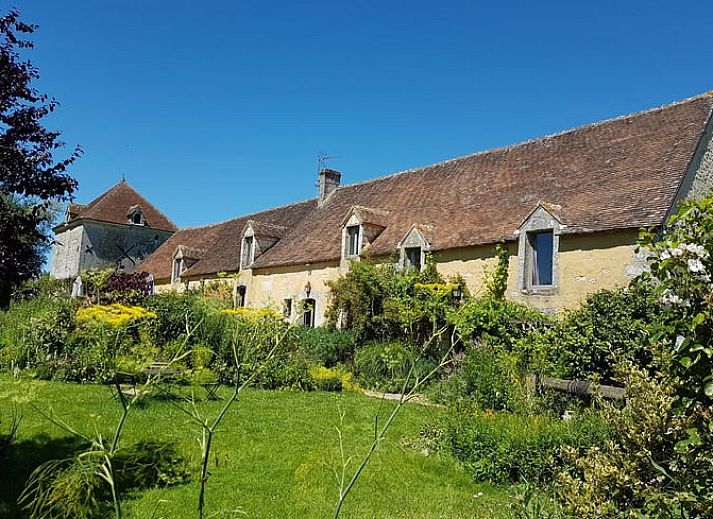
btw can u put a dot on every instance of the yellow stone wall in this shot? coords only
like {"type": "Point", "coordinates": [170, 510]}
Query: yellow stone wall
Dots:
{"type": "Point", "coordinates": [271, 286]}
{"type": "Point", "coordinates": [587, 264]}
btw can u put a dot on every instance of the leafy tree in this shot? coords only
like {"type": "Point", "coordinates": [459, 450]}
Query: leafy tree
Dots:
{"type": "Point", "coordinates": [31, 177]}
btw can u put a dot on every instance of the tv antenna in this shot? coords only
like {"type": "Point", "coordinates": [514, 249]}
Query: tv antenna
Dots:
{"type": "Point", "coordinates": [322, 158]}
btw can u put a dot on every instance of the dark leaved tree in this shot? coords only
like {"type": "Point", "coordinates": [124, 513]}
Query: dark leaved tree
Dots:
{"type": "Point", "coordinates": [31, 177]}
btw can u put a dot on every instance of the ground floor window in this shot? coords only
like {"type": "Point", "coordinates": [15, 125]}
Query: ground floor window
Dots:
{"type": "Point", "coordinates": [309, 310]}
{"type": "Point", "coordinates": [240, 293]}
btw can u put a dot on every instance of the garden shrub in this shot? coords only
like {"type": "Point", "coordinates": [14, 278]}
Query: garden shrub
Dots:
{"type": "Point", "coordinates": [253, 335]}
{"type": "Point", "coordinates": [505, 447]}
{"type": "Point", "coordinates": [492, 379]}
{"type": "Point", "coordinates": [652, 467]}
{"type": "Point", "coordinates": [129, 289]}
{"type": "Point", "coordinates": [42, 287]}
{"type": "Point", "coordinates": [385, 366]}
{"type": "Point", "coordinates": [149, 464]}
{"type": "Point", "coordinates": [173, 313]}
{"type": "Point", "coordinates": [332, 379]}
{"type": "Point", "coordinates": [76, 487]}
{"type": "Point", "coordinates": [660, 462]}
{"type": "Point", "coordinates": [326, 347]}
{"type": "Point", "coordinates": [114, 315]}
{"type": "Point", "coordinates": [33, 330]}
{"type": "Point", "coordinates": [201, 376]}
{"type": "Point", "coordinates": [495, 321]}
{"type": "Point", "coordinates": [379, 302]}
{"type": "Point", "coordinates": [611, 326]}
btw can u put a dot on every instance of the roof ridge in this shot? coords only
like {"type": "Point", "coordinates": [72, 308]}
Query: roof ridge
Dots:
{"type": "Point", "coordinates": [103, 195]}
{"type": "Point", "coordinates": [542, 138]}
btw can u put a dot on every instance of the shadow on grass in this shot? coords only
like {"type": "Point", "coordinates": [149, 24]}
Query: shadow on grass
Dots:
{"type": "Point", "coordinates": [24, 457]}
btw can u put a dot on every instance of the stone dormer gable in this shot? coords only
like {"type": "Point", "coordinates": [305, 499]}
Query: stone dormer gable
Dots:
{"type": "Point", "coordinates": [360, 227]}
{"type": "Point", "coordinates": [538, 250]}
{"type": "Point", "coordinates": [413, 247]}
{"type": "Point", "coordinates": [185, 257]}
{"type": "Point", "coordinates": [257, 238]}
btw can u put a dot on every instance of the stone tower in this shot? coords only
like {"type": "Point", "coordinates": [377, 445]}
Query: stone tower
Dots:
{"type": "Point", "coordinates": [117, 229]}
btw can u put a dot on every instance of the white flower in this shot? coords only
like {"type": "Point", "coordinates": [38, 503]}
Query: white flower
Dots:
{"type": "Point", "coordinates": [677, 251]}
{"type": "Point", "coordinates": [671, 299]}
{"type": "Point", "coordinates": [665, 254]}
{"type": "Point", "coordinates": [679, 342]}
{"type": "Point", "coordinates": [698, 250]}
{"type": "Point", "coordinates": [695, 265]}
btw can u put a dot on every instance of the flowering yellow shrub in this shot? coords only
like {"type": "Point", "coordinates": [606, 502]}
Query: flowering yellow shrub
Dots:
{"type": "Point", "coordinates": [322, 376]}
{"type": "Point", "coordinates": [112, 315]}
{"type": "Point", "coordinates": [252, 312]}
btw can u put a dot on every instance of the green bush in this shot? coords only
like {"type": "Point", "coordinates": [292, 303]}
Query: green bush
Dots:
{"type": "Point", "coordinates": [385, 366]}
{"type": "Point", "coordinates": [504, 447]}
{"type": "Point", "coordinates": [495, 321]}
{"type": "Point", "coordinates": [379, 302]}
{"type": "Point", "coordinates": [76, 487]}
{"type": "Point", "coordinates": [332, 379]}
{"type": "Point", "coordinates": [656, 464]}
{"type": "Point", "coordinates": [149, 464]}
{"type": "Point", "coordinates": [253, 338]}
{"type": "Point", "coordinates": [173, 313]}
{"type": "Point", "coordinates": [611, 326]}
{"type": "Point", "coordinates": [33, 330]}
{"type": "Point", "coordinates": [492, 380]}
{"type": "Point", "coordinates": [326, 347]}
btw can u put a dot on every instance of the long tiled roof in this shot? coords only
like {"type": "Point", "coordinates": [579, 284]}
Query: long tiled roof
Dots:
{"type": "Point", "coordinates": [623, 173]}
{"type": "Point", "coordinates": [115, 206]}
{"type": "Point", "coordinates": [220, 241]}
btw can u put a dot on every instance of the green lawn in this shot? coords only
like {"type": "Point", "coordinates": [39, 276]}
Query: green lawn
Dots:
{"type": "Point", "coordinates": [271, 458]}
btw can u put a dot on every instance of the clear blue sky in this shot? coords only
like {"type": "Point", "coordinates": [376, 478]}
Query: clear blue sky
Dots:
{"type": "Point", "coordinates": [215, 109]}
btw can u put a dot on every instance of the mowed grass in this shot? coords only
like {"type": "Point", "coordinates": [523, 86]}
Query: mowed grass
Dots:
{"type": "Point", "coordinates": [272, 457]}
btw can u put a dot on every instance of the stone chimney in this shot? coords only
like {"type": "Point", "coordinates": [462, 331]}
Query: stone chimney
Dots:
{"type": "Point", "coordinates": [328, 182]}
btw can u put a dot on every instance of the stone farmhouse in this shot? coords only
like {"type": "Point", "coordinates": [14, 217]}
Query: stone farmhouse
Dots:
{"type": "Point", "coordinates": [568, 206]}
{"type": "Point", "coordinates": [119, 229]}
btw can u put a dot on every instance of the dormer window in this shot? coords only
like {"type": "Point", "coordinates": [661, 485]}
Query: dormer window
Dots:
{"type": "Point", "coordinates": [352, 245]}
{"type": "Point", "coordinates": [178, 268]}
{"type": "Point", "coordinates": [541, 258]}
{"type": "Point", "coordinates": [538, 251]}
{"type": "Point", "coordinates": [360, 228]}
{"type": "Point", "coordinates": [413, 247]}
{"type": "Point", "coordinates": [413, 258]}
{"type": "Point", "coordinates": [248, 252]}
{"type": "Point", "coordinates": [183, 259]}
{"type": "Point", "coordinates": [136, 216]}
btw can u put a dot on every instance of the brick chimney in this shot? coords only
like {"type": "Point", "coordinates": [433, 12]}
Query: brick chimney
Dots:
{"type": "Point", "coordinates": [328, 182]}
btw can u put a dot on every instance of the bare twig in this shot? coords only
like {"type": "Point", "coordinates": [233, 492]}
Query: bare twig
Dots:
{"type": "Point", "coordinates": [405, 396]}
